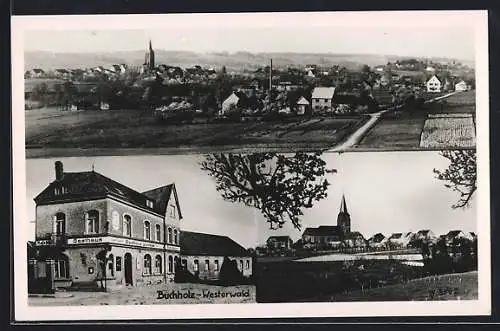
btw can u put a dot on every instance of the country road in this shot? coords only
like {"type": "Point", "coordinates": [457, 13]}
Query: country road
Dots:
{"type": "Point", "coordinates": [359, 134]}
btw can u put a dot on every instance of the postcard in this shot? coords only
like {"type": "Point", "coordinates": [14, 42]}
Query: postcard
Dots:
{"type": "Point", "coordinates": [242, 166]}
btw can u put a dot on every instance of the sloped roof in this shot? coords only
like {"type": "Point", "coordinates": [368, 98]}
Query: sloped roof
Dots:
{"type": "Point", "coordinates": [396, 236]}
{"type": "Point", "coordinates": [279, 238]}
{"type": "Point", "coordinates": [378, 237]}
{"type": "Point", "coordinates": [91, 184]}
{"type": "Point", "coordinates": [453, 234]}
{"type": "Point", "coordinates": [303, 101]}
{"type": "Point", "coordinates": [323, 230]}
{"type": "Point", "coordinates": [323, 92]}
{"type": "Point", "coordinates": [196, 243]}
{"type": "Point", "coordinates": [161, 196]}
{"type": "Point", "coordinates": [354, 235]}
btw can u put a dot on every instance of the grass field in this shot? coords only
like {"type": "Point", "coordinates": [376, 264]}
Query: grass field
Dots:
{"type": "Point", "coordinates": [122, 129]}
{"type": "Point", "coordinates": [148, 296]}
{"type": "Point", "coordinates": [404, 131]}
{"type": "Point", "coordinates": [443, 287]}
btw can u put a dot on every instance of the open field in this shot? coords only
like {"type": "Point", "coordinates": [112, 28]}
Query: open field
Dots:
{"type": "Point", "coordinates": [148, 295]}
{"type": "Point", "coordinates": [129, 129]}
{"type": "Point", "coordinates": [463, 286]}
{"type": "Point", "coordinates": [404, 131]}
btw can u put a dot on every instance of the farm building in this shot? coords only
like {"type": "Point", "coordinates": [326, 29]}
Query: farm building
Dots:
{"type": "Point", "coordinates": [303, 106]}
{"type": "Point", "coordinates": [461, 86]}
{"type": "Point", "coordinates": [203, 254]}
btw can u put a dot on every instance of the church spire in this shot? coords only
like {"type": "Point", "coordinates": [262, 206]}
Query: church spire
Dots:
{"type": "Point", "coordinates": [343, 206]}
{"type": "Point", "coordinates": [150, 45]}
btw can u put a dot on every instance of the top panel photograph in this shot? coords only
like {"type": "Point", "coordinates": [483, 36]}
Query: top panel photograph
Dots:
{"type": "Point", "coordinates": [247, 83]}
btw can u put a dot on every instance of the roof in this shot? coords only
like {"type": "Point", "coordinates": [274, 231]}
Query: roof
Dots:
{"type": "Point", "coordinates": [424, 232]}
{"type": "Point", "coordinates": [279, 238]}
{"type": "Point", "coordinates": [323, 231]}
{"type": "Point", "coordinates": [434, 76]}
{"type": "Point", "coordinates": [453, 233]}
{"type": "Point", "coordinates": [323, 92]}
{"type": "Point", "coordinates": [396, 236]}
{"type": "Point", "coordinates": [91, 184]}
{"type": "Point", "coordinates": [378, 237]}
{"type": "Point", "coordinates": [195, 243]}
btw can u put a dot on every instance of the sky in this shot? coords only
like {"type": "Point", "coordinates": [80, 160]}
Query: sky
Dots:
{"type": "Point", "coordinates": [420, 40]}
{"type": "Point", "coordinates": [385, 192]}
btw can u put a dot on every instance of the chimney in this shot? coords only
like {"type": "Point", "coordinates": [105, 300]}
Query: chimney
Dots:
{"type": "Point", "coordinates": [59, 170]}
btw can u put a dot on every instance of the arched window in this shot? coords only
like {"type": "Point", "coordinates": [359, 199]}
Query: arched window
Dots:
{"type": "Point", "coordinates": [195, 266]}
{"type": "Point", "coordinates": [170, 264]}
{"type": "Point", "coordinates": [127, 225]}
{"type": "Point", "coordinates": [147, 264]}
{"type": "Point", "coordinates": [60, 223]}
{"type": "Point", "coordinates": [158, 232]}
{"type": "Point", "coordinates": [158, 264]}
{"type": "Point", "coordinates": [176, 262]}
{"type": "Point", "coordinates": [207, 265]}
{"type": "Point", "coordinates": [175, 237]}
{"type": "Point", "coordinates": [169, 240]}
{"type": "Point", "coordinates": [92, 221]}
{"type": "Point", "coordinates": [147, 230]}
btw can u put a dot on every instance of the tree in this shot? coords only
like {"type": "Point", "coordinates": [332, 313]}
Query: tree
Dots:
{"type": "Point", "coordinates": [280, 186]}
{"type": "Point", "coordinates": [460, 176]}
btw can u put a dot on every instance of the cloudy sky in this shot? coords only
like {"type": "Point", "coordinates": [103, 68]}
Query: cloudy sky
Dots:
{"type": "Point", "coordinates": [385, 192]}
{"type": "Point", "coordinates": [397, 33]}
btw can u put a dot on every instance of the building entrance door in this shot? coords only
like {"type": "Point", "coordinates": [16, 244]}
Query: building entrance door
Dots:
{"type": "Point", "coordinates": [128, 269]}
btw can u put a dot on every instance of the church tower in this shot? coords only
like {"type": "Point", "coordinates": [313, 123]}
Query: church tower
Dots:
{"type": "Point", "coordinates": [344, 219]}
{"type": "Point", "coordinates": [149, 58]}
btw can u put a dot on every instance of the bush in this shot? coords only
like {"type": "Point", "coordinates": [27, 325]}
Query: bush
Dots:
{"type": "Point", "coordinates": [229, 273]}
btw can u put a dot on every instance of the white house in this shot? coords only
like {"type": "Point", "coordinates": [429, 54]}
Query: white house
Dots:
{"type": "Point", "coordinates": [461, 86]}
{"type": "Point", "coordinates": [430, 69]}
{"type": "Point", "coordinates": [230, 102]}
{"type": "Point", "coordinates": [433, 84]}
{"type": "Point", "coordinates": [322, 98]}
{"type": "Point", "coordinates": [303, 106]}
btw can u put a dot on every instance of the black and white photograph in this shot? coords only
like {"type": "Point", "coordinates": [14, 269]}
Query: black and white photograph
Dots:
{"type": "Point", "coordinates": [253, 228]}
{"type": "Point", "coordinates": [258, 165]}
{"type": "Point", "coordinates": [249, 89]}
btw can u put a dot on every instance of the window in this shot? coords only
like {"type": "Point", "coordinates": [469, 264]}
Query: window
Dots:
{"type": "Point", "coordinates": [172, 211]}
{"type": "Point", "coordinates": [61, 269]}
{"type": "Point", "coordinates": [57, 191]}
{"type": "Point", "coordinates": [147, 230]}
{"type": "Point", "coordinates": [158, 232]}
{"type": "Point", "coordinates": [175, 237]}
{"type": "Point", "coordinates": [158, 264]}
{"type": "Point", "coordinates": [149, 203]}
{"type": "Point", "coordinates": [60, 223]}
{"type": "Point", "coordinates": [169, 235]}
{"type": "Point", "coordinates": [195, 265]}
{"type": "Point", "coordinates": [92, 221]}
{"type": "Point", "coordinates": [170, 264]}
{"type": "Point", "coordinates": [118, 263]}
{"type": "Point", "coordinates": [241, 265]}
{"type": "Point", "coordinates": [216, 265]}
{"type": "Point", "coordinates": [127, 225]}
{"type": "Point", "coordinates": [207, 265]}
{"type": "Point", "coordinates": [248, 264]}
{"type": "Point", "coordinates": [326, 100]}
{"type": "Point", "coordinates": [147, 264]}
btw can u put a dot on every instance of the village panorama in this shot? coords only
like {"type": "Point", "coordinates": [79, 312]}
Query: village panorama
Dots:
{"type": "Point", "coordinates": [159, 240]}
{"type": "Point", "coordinates": [268, 104]}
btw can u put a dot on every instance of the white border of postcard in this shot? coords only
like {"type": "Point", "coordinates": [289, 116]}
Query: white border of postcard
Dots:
{"type": "Point", "coordinates": [477, 20]}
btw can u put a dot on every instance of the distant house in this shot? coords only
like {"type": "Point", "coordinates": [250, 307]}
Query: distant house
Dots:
{"type": "Point", "coordinates": [378, 240]}
{"type": "Point", "coordinates": [62, 73]}
{"type": "Point", "coordinates": [36, 73]}
{"type": "Point", "coordinates": [461, 86]}
{"type": "Point", "coordinates": [408, 238]}
{"type": "Point", "coordinates": [379, 68]}
{"type": "Point", "coordinates": [434, 84]}
{"type": "Point", "coordinates": [279, 243]}
{"type": "Point", "coordinates": [454, 235]}
{"type": "Point", "coordinates": [286, 87]}
{"type": "Point", "coordinates": [322, 235]}
{"type": "Point", "coordinates": [396, 241]}
{"type": "Point", "coordinates": [425, 235]}
{"type": "Point", "coordinates": [311, 74]}
{"type": "Point", "coordinates": [355, 240]}
{"type": "Point", "coordinates": [303, 106]}
{"type": "Point", "coordinates": [203, 255]}
{"type": "Point", "coordinates": [322, 98]}
{"type": "Point", "coordinates": [430, 69]}
{"type": "Point", "coordinates": [233, 101]}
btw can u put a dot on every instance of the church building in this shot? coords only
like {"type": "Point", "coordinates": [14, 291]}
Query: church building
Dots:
{"type": "Point", "coordinates": [327, 236]}
{"type": "Point", "coordinates": [149, 58]}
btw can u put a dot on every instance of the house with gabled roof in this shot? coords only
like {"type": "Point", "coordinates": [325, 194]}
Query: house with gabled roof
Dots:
{"type": "Point", "coordinates": [378, 240]}
{"type": "Point", "coordinates": [434, 84]}
{"type": "Point", "coordinates": [303, 106]}
{"type": "Point", "coordinates": [322, 99]}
